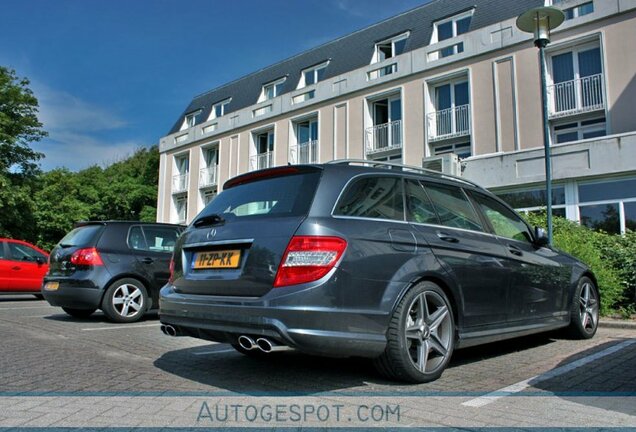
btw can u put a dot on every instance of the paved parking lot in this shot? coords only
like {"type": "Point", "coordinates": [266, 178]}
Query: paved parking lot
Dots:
{"type": "Point", "coordinates": [65, 372]}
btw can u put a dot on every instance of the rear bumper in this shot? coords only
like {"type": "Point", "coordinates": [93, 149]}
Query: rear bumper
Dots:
{"type": "Point", "coordinates": [73, 295]}
{"type": "Point", "coordinates": [316, 330]}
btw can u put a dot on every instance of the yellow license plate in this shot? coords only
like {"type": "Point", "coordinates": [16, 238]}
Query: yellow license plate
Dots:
{"type": "Point", "coordinates": [216, 259]}
{"type": "Point", "coordinates": [51, 286]}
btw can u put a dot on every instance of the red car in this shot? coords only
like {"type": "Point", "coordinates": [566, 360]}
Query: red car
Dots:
{"type": "Point", "coordinates": [22, 267]}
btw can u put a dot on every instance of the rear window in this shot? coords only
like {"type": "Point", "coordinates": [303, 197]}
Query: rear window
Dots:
{"type": "Point", "coordinates": [289, 195]}
{"type": "Point", "coordinates": [81, 236]}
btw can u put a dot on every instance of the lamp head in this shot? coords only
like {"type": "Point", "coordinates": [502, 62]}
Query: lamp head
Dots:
{"type": "Point", "coordinates": [540, 21]}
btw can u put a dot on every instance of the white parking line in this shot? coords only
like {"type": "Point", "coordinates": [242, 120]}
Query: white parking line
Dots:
{"type": "Point", "coordinates": [522, 385]}
{"type": "Point", "coordinates": [215, 352]}
{"type": "Point", "coordinates": [121, 326]}
{"type": "Point", "coordinates": [28, 307]}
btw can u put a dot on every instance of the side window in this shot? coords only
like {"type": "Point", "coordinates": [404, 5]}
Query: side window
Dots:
{"type": "Point", "coordinates": [453, 208]}
{"type": "Point", "coordinates": [504, 222]}
{"type": "Point", "coordinates": [21, 252]}
{"type": "Point", "coordinates": [161, 239]}
{"type": "Point", "coordinates": [418, 204]}
{"type": "Point", "coordinates": [136, 239]}
{"type": "Point", "coordinates": [373, 197]}
{"type": "Point", "coordinates": [2, 252]}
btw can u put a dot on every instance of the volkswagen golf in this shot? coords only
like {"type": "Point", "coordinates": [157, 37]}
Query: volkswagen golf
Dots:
{"type": "Point", "coordinates": [401, 265]}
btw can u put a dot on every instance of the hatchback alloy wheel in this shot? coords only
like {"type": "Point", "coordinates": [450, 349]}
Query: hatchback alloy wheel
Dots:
{"type": "Point", "coordinates": [128, 300]}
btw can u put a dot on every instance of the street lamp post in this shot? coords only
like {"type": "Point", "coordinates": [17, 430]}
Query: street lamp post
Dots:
{"type": "Point", "coordinates": [540, 21]}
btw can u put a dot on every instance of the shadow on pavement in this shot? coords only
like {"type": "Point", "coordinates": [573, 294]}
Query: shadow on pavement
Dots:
{"type": "Point", "coordinates": [608, 382]}
{"type": "Point", "coordinates": [97, 317]}
{"type": "Point", "coordinates": [19, 297]}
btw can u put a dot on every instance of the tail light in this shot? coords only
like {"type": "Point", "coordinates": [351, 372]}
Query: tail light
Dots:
{"type": "Point", "coordinates": [171, 278]}
{"type": "Point", "coordinates": [86, 257]}
{"type": "Point", "coordinates": [308, 258]}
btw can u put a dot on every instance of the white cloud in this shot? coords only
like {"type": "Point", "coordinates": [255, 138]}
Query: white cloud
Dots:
{"type": "Point", "coordinates": [79, 132]}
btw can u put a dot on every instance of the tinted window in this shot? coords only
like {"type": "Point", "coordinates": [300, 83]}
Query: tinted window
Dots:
{"type": "Point", "coordinates": [20, 252]}
{"type": "Point", "coordinates": [608, 190]}
{"type": "Point", "coordinates": [160, 239]}
{"type": "Point", "coordinates": [504, 222]}
{"type": "Point", "coordinates": [82, 236]}
{"type": "Point", "coordinates": [2, 253]}
{"type": "Point", "coordinates": [289, 195]}
{"type": "Point", "coordinates": [605, 217]}
{"type": "Point", "coordinates": [453, 208]}
{"type": "Point", "coordinates": [419, 206]}
{"type": "Point", "coordinates": [373, 197]}
{"type": "Point", "coordinates": [136, 239]}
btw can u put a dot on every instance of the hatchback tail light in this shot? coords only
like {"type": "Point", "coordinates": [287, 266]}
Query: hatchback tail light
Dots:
{"type": "Point", "coordinates": [86, 257]}
{"type": "Point", "coordinates": [308, 258]}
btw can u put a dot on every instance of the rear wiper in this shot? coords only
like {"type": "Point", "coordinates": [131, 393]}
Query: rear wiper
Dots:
{"type": "Point", "coordinates": [209, 220]}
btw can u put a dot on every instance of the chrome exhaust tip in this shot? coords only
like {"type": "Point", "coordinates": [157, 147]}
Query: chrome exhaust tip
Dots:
{"type": "Point", "coordinates": [163, 329]}
{"type": "Point", "coordinates": [247, 343]}
{"type": "Point", "coordinates": [169, 330]}
{"type": "Point", "coordinates": [267, 346]}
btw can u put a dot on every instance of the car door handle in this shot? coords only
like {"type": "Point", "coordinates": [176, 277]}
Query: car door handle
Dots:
{"type": "Point", "coordinates": [147, 260]}
{"type": "Point", "coordinates": [447, 238]}
{"type": "Point", "coordinates": [515, 250]}
{"type": "Point", "coordinates": [16, 268]}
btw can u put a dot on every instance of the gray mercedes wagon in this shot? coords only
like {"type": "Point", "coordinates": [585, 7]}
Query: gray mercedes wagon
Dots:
{"type": "Point", "coordinates": [401, 265]}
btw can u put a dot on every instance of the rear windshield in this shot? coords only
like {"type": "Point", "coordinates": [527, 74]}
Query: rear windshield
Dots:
{"type": "Point", "coordinates": [289, 195]}
{"type": "Point", "coordinates": [81, 236]}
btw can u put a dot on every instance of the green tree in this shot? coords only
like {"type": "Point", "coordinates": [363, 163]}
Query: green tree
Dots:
{"type": "Point", "coordinates": [19, 126]}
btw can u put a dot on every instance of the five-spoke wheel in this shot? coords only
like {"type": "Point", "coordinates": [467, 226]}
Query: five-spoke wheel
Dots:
{"type": "Point", "coordinates": [125, 300]}
{"type": "Point", "coordinates": [585, 310]}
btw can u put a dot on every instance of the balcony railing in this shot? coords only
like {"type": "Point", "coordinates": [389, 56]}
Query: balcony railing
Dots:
{"type": "Point", "coordinates": [383, 137]}
{"type": "Point", "coordinates": [304, 153]}
{"type": "Point", "coordinates": [449, 123]}
{"type": "Point", "coordinates": [261, 161]}
{"type": "Point", "coordinates": [576, 96]}
{"type": "Point", "coordinates": [180, 183]}
{"type": "Point", "coordinates": [207, 177]}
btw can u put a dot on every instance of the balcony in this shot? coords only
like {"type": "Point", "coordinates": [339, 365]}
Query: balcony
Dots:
{"type": "Point", "coordinates": [304, 153]}
{"type": "Point", "coordinates": [207, 177]}
{"type": "Point", "coordinates": [576, 96]}
{"type": "Point", "coordinates": [384, 137]}
{"type": "Point", "coordinates": [261, 161]}
{"type": "Point", "coordinates": [449, 123]}
{"type": "Point", "coordinates": [180, 183]}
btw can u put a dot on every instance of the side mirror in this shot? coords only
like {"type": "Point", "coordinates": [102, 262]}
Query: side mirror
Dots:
{"type": "Point", "coordinates": [40, 260]}
{"type": "Point", "coordinates": [540, 237]}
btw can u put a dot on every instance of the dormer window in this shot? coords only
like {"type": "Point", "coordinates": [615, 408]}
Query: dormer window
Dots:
{"type": "Point", "coordinates": [191, 119]}
{"type": "Point", "coordinates": [390, 47]}
{"type": "Point", "coordinates": [579, 10]}
{"type": "Point", "coordinates": [312, 75]}
{"type": "Point", "coordinates": [218, 109]}
{"type": "Point", "coordinates": [271, 90]}
{"type": "Point", "coordinates": [449, 28]}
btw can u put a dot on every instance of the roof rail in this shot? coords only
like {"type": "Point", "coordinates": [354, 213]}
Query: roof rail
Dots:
{"type": "Point", "coordinates": [403, 168]}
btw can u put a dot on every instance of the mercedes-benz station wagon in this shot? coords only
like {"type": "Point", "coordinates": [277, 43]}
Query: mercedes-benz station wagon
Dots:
{"type": "Point", "coordinates": [400, 265]}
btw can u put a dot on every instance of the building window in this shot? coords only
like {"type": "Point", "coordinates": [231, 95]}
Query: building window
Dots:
{"type": "Point", "coordinates": [262, 110]}
{"type": "Point", "coordinates": [578, 130]}
{"type": "Point", "coordinates": [180, 178]}
{"type": "Point", "coordinates": [450, 28]}
{"type": "Point", "coordinates": [181, 208]}
{"type": "Point", "coordinates": [219, 109]}
{"type": "Point", "coordinates": [271, 90]}
{"type": "Point", "coordinates": [208, 174]}
{"type": "Point", "coordinates": [609, 206]}
{"type": "Point", "coordinates": [579, 10]}
{"type": "Point", "coordinates": [390, 48]}
{"type": "Point", "coordinates": [577, 81]}
{"type": "Point", "coordinates": [263, 149]}
{"type": "Point", "coordinates": [305, 149]}
{"type": "Point", "coordinates": [462, 150]}
{"type": "Point", "coordinates": [191, 119]}
{"type": "Point", "coordinates": [385, 134]}
{"type": "Point", "coordinates": [382, 71]}
{"type": "Point", "coordinates": [312, 75]}
{"type": "Point", "coordinates": [451, 110]}
{"type": "Point", "coordinates": [303, 97]}
{"type": "Point", "coordinates": [208, 196]}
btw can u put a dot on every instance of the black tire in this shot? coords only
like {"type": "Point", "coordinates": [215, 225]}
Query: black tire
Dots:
{"type": "Point", "coordinates": [79, 313]}
{"type": "Point", "coordinates": [584, 313]}
{"type": "Point", "coordinates": [121, 308]}
{"type": "Point", "coordinates": [433, 335]}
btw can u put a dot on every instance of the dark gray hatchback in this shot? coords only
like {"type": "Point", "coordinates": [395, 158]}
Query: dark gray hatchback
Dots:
{"type": "Point", "coordinates": [346, 259]}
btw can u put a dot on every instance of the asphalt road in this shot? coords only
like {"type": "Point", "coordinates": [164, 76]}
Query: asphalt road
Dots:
{"type": "Point", "coordinates": [64, 372]}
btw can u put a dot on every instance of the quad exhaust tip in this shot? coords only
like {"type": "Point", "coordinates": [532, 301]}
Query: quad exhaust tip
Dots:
{"type": "Point", "coordinates": [247, 343]}
{"type": "Point", "coordinates": [263, 344]}
{"type": "Point", "coordinates": [168, 330]}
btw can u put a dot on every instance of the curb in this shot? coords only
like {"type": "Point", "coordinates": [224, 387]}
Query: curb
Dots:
{"type": "Point", "coordinates": [617, 324]}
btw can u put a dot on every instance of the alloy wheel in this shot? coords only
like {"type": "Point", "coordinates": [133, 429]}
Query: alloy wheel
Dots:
{"type": "Point", "coordinates": [588, 307]}
{"type": "Point", "coordinates": [128, 300]}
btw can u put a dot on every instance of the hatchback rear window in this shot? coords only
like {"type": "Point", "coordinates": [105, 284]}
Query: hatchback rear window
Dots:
{"type": "Point", "coordinates": [289, 195]}
{"type": "Point", "coordinates": [82, 236]}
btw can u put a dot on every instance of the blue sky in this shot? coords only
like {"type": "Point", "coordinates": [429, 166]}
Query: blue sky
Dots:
{"type": "Point", "coordinates": [114, 75]}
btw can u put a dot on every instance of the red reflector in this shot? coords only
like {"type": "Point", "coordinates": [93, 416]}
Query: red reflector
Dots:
{"type": "Point", "coordinates": [86, 257]}
{"type": "Point", "coordinates": [308, 258]}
